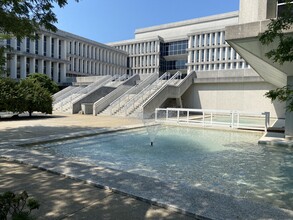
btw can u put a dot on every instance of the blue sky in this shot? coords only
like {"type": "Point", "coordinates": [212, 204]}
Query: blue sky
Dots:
{"type": "Point", "coordinates": [115, 20]}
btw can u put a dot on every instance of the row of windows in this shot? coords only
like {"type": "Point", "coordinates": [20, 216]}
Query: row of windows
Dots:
{"type": "Point", "coordinates": [144, 71]}
{"type": "Point", "coordinates": [52, 69]}
{"type": "Point", "coordinates": [214, 54]}
{"type": "Point", "coordinates": [32, 46]}
{"type": "Point", "coordinates": [220, 66]}
{"type": "Point", "coordinates": [139, 48]}
{"type": "Point", "coordinates": [172, 65]}
{"type": "Point", "coordinates": [142, 61]}
{"type": "Point", "coordinates": [88, 67]}
{"type": "Point", "coordinates": [208, 39]}
{"type": "Point", "coordinates": [173, 48]}
{"type": "Point", "coordinates": [96, 53]}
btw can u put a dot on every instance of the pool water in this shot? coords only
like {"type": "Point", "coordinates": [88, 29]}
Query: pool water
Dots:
{"type": "Point", "coordinates": [225, 162]}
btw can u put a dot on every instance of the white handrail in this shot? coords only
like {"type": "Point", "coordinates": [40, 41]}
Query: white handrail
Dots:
{"type": "Point", "coordinates": [207, 117]}
{"type": "Point", "coordinates": [148, 92]}
{"type": "Point", "coordinates": [127, 95]}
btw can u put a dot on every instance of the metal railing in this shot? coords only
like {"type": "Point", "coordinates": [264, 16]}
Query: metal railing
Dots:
{"type": "Point", "coordinates": [120, 102]}
{"type": "Point", "coordinates": [208, 117]}
{"type": "Point", "coordinates": [148, 92]}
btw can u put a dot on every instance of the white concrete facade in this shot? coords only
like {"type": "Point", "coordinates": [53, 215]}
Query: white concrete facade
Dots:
{"type": "Point", "coordinates": [224, 79]}
{"type": "Point", "coordinates": [244, 37]}
{"type": "Point", "coordinates": [62, 55]}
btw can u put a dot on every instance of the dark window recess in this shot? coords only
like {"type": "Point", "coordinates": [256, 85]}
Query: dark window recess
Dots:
{"type": "Point", "coordinates": [173, 48]}
{"type": "Point", "coordinates": [172, 65]}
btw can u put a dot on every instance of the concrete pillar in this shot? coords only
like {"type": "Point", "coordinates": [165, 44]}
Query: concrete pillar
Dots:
{"type": "Point", "coordinates": [41, 45]}
{"type": "Point", "coordinates": [13, 43]}
{"type": "Point", "coordinates": [23, 45]}
{"type": "Point", "coordinates": [49, 69]}
{"type": "Point", "coordinates": [49, 46]}
{"type": "Point", "coordinates": [40, 66]}
{"type": "Point", "coordinates": [23, 67]}
{"type": "Point", "coordinates": [289, 115]}
{"type": "Point", "coordinates": [32, 46]}
{"type": "Point", "coordinates": [63, 49]}
{"type": "Point", "coordinates": [63, 72]}
{"type": "Point", "coordinates": [13, 66]}
{"type": "Point", "coordinates": [32, 65]}
{"type": "Point", "coordinates": [55, 72]}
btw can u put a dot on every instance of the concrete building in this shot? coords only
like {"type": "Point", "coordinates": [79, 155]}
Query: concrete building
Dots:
{"type": "Point", "coordinates": [226, 78]}
{"type": "Point", "coordinates": [254, 17]}
{"type": "Point", "coordinates": [61, 56]}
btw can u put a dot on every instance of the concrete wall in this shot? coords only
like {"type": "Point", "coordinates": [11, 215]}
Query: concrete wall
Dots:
{"type": "Point", "coordinates": [179, 30]}
{"type": "Point", "coordinates": [92, 98]}
{"type": "Point", "coordinates": [232, 96]}
{"type": "Point", "coordinates": [256, 10]}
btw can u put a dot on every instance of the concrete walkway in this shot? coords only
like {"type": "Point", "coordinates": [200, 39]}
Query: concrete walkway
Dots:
{"type": "Point", "coordinates": [64, 198]}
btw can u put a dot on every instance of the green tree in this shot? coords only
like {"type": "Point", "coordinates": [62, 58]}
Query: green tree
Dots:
{"type": "Point", "coordinates": [283, 53]}
{"type": "Point", "coordinates": [44, 81]}
{"type": "Point", "coordinates": [9, 98]}
{"type": "Point", "coordinates": [33, 97]}
{"type": "Point", "coordinates": [24, 18]}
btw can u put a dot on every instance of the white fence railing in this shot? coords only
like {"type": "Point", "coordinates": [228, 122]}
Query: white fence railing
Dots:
{"type": "Point", "coordinates": [208, 117]}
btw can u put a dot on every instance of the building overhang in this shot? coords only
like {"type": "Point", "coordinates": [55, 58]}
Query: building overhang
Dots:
{"type": "Point", "coordinates": [244, 38]}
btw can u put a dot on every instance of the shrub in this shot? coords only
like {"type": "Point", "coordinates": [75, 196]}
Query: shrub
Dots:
{"type": "Point", "coordinates": [18, 206]}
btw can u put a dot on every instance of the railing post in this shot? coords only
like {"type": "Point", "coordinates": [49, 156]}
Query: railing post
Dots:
{"type": "Point", "coordinates": [232, 119]}
{"type": "Point", "coordinates": [211, 118]}
{"type": "Point", "coordinates": [187, 116]}
{"type": "Point", "coordinates": [156, 112]}
{"type": "Point", "coordinates": [238, 119]}
{"type": "Point", "coordinates": [167, 114]}
{"type": "Point", "coordinates": [177, 116]}
{"type": "Point", "coordinates": [203, 116]}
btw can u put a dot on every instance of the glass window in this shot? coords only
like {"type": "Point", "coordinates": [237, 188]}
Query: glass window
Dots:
{"type": "Point", "coordinates": [173, 48]}
{"type": "Point", "coordinates": [282, 7]}
{"type": "Point", "coordinates": [18, 44]}
{"type": "Point", "coordinates": [45, 45]}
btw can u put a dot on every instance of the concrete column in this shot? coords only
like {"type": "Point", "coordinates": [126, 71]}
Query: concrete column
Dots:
{"type": "Point", "coordinates": [85, 66]}
{"type": "Point", "coordinates": [23, 45]}
{"type": "Point", "coordinates": [49, 45]}
{"type": "Point", "coordinates": [90, 67]}
{"type": "Point", "coordinates": [13, 43]}
{"type": "Point", "coordinates": [289, 115]}
{"type": "Point", "coordinates": [41, 45]}
{"type": "Point", "coordinates": [23, 67]}
{"type": "Point", "coordinates": [32, 65]}
{"type": "Point", "coordinates": [40, 66]}
{"type": "Point", "coordinates": [49, 69]}
{"type": "Point", "coordinates": [63, 72]}
{"type": "Point", "coordinates": [32, 46]}
{"type": "Point", "coordinates": [63, 49]}
{"type": "Point", "coordinates": [55, 72]}
{"type": "Point", "coordinates": [13, 66]}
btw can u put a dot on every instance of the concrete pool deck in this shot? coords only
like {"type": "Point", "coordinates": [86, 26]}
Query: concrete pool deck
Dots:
{"type": "Point", "coordinates": [137, 189]}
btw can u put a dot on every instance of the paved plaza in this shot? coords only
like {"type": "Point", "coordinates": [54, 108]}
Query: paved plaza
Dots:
{"type": "Point", "coordinates": [69, 189]}
{"type": "Point", "coordinates": [65, 198]}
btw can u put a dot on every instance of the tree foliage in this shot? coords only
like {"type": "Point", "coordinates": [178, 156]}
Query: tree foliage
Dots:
{"type": "Point", "coordinates": [44, 81]}
{"type": "Point", "coordinates": [18, 206]}
{"type": "Point", "coordinates": [283, 53]}
{"type": "Point", "coordinates": [26, 96]}
{"type": "Point", "coordinates": [9, 98]}
{"type": "Point", "coordinates": [23, 18]}
{"type": "Point", "coordinates": [34, 97]}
